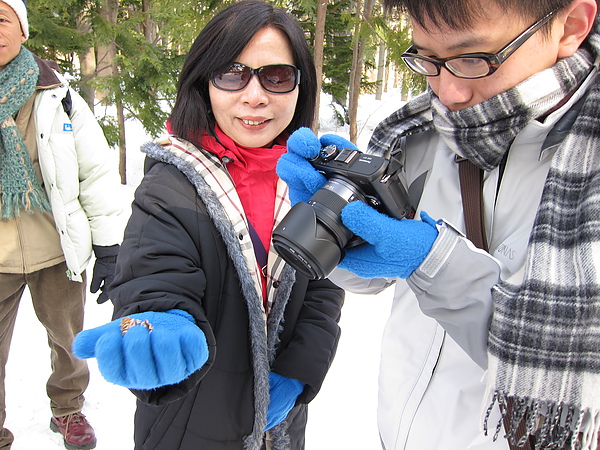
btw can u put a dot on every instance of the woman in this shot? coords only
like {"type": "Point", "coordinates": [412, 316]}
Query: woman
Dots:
{"type": "Point", "coordinates": [219, 339]}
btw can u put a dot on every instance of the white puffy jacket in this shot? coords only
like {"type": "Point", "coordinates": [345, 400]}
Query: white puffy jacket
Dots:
{"type": "Point", "coordinates": [80, 176]}
{"type": "Point", "coordinates": [432, 391]}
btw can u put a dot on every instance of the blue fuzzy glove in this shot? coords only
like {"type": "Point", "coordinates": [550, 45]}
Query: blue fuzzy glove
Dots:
{"type": "Point", "coordinates": [284, 392]}
{"type": "Point", "coordinates": [144, 358]}
{"type": "Point", "coordinates": [293, 167]}
{"type": "Point", "coordinates": [394, 248]}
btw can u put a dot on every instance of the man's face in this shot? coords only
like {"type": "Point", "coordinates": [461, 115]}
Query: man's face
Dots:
{"type": "Point", "coordinates": [487, 35]}
{"type": "Point", "coordinates": [11, 35]}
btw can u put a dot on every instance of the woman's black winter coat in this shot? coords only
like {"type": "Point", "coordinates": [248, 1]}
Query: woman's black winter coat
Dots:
{"type": "Point", "coordinates": [173, 257]}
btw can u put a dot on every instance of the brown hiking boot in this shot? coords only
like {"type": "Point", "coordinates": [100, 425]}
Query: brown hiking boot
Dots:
{"type": "Point", "coordinates": [76, 431]}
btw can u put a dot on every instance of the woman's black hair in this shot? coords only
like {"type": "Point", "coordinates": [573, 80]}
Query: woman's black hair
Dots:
{"type": "Point", "coordinates": [217, 47]}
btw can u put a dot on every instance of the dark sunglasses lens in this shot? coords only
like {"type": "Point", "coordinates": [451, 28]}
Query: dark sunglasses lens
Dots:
{"type": "Point", "coordinates": [234, 79]}
{"type": "Point", "coordinates": [278, 78]}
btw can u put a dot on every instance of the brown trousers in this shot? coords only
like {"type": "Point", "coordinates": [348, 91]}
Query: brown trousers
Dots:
{"type": "Point", "coordinates": [59, 306]}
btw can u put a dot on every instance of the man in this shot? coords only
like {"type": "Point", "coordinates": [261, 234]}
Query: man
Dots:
{"type": "Point", "coordinates": [58, 200]}
{"type": "Point", "coordinates": [513, 95]}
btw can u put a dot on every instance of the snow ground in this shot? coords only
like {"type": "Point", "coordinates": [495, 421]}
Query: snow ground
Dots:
{"type": "Point", "coordinates": [343, 416]}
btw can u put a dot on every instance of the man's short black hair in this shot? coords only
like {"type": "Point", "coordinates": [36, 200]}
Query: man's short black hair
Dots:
{"type": "Point", "coordinates": [461, 14]}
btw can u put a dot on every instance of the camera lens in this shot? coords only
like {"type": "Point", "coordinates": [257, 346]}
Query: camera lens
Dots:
{"type": "Point", "coordinates": [305, 244]}
{"type": "Point", "coordinates": [312, 236]}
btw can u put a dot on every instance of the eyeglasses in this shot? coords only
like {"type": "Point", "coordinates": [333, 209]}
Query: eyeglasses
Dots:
{"type": "Point", "coordinates": [470, 65]}
{"type": "Point", "coordinates": [276, 78]}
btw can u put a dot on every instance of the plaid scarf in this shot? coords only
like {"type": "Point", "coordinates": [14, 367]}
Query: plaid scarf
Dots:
{"type": "Point", "coordinates": [19, 186]}
{"type": "Point", "coordinates": [544, 343]}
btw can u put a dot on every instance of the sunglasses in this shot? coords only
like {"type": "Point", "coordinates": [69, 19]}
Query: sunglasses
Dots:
{"type": "Point", "coordinates": [470, 65]}
{"type": "Point", "coordinates": [276, 78]}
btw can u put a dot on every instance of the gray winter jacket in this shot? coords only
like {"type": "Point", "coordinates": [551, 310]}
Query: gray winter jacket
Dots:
{"type": "Point", "coordinates": [432, 385]}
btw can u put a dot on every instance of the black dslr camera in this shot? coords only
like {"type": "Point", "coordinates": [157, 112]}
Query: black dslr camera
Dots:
{"type": "Point", "coordinates": [311, 237]}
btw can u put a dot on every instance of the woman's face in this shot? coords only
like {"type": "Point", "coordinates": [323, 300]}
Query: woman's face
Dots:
{"type": "Point", "coordinates": [252, 116]}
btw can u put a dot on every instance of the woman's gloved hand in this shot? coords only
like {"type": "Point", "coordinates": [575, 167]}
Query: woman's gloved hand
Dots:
{"type": "Point", "coordinates": [146, 350]}
{"type": "Point", "coordinates": [294, 168]}
{"type": "Point", "coordinates": [393, 248]}
{"type": "Point", "coordinates": [284, 392]}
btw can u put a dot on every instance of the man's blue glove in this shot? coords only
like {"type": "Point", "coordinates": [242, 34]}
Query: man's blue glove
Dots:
{"type": "Point", "coordinates": [284, 392]}
{"type": "Point", "coordinates": [145, 350]}
{"type": "Point", "coordinates": [394, 248]}
{"type": "Point", "coordinates": [293, 167]}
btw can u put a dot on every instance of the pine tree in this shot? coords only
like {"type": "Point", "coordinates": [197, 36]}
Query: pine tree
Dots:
{"type": "Point", "coordinates": [124, 56]}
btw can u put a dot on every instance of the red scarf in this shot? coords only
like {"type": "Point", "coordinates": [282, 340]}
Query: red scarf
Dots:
{"type": "Point", "coordinates": [255, 179]}
{"type": "Point", "coordinates": [253, 172]}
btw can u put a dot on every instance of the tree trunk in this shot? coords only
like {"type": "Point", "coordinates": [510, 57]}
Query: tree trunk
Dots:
{"type": "Point", "coordinates": [107, 66]}
{"type": "Point", "coordinates": [122, 146]}
{"type": "Point", "coordinates": [318, 56]}
{"type": "Point", "coordinates": [107, 52]}
{"type": "Point", "coordinates": [381, 72]}
{"type": "Point", "coordinates": [150, 29]}
{"type": "Point", "coordinates": [357, 65]}
{"type": "Point", "coordinates": [87, 63]}
{"type": "Point", "coordinates": [355, 74]}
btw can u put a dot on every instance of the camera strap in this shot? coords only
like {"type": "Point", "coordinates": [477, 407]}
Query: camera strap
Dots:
{"type": "Point", "coordinates": [259, 249]}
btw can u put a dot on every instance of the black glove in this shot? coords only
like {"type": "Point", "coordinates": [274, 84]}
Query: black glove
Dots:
{"type": "Point", "coordinates": [104, 270]}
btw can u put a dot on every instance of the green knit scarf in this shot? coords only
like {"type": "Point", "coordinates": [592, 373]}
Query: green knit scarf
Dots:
{"type": "Point", "coordinates": [19, 186]}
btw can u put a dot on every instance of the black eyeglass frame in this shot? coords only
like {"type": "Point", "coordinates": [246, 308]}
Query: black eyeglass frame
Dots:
{"type": "Point", "coordinates": [257, 73]}
{"type": "Point", "coordinates": [493, 60]}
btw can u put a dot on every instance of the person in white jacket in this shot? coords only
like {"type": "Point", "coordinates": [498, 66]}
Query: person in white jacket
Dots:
{"type": "Point", "coordinates": [59, 203]}
{"type": "Point", "coordinates": [493, 337]}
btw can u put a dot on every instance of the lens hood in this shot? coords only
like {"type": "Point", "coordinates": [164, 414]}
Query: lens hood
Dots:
{"type": "Point", "coordinates": [305, 244]}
